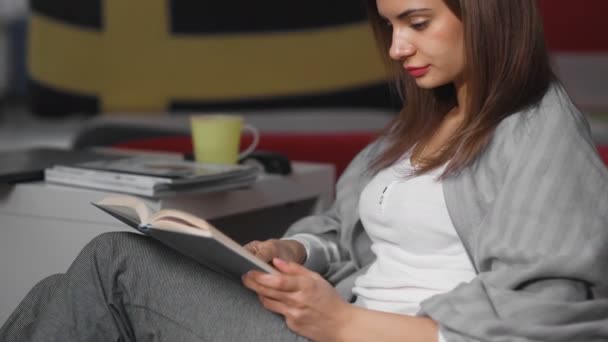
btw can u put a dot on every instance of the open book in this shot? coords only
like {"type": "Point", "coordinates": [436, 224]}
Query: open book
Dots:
{"type": "Point", "coordinates": [186, 233]}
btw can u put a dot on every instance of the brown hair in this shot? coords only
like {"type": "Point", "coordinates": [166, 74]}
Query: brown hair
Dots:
{"type": "Point", "coordinates": [508, 69]}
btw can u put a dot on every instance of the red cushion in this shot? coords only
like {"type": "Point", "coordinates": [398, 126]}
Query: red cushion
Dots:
{"type": "Point", "coordinates": [584, 24]}
{"type": "Point", "coordinates": [335, 148]}
{"type": "Point", "coordinates": [603, 150]}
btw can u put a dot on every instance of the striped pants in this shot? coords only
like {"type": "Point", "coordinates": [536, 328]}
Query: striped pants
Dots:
{"type": "Point", "coordinates": [127, 287]}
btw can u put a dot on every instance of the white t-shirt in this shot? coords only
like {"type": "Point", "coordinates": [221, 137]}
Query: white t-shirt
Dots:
{"type": "Point", "coordinates": [419, 253]}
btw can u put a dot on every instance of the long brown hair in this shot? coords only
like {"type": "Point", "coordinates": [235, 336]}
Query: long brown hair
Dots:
{"type": "Point", "coordinates": [508, 69]}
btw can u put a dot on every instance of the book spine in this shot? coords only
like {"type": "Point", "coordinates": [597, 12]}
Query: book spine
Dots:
{"type": "Point", "coordinates": [135, 189]}
{"type": "Point", "coordinates": [109, 175]}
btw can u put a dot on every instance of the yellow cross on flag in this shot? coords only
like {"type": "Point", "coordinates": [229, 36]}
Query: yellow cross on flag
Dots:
{"type": "Point", "coordinates": [134, 63]}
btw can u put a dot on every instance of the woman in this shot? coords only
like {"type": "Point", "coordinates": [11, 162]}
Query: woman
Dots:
{"type": "Point", "coordinates": [480, 215]}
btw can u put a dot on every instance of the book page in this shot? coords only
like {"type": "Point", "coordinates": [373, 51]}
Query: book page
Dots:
{"type": "Point", "coordinates": [175, 219]}
{"type": "Point", "coordinates": [184, 232]}
{"type": "Point", "coordinates": [142, 210]}
{"type": "Point", "coordinates": [180, 216]}
{"type": "Point", "coordinates": [180, 221]}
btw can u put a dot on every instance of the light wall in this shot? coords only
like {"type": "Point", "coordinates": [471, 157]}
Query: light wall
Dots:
{"type": "Point", "coordinates": [3, 61]}
{"type": "Point", "coordinates": [9, 10]}
{"type": "Point", "coordinates": [12, 8]}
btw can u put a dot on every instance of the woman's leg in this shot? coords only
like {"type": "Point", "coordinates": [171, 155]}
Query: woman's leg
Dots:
{"type": "Point", "coordinates": [21, 321]}
{"type": "Point", "coordinates": [126, 287]}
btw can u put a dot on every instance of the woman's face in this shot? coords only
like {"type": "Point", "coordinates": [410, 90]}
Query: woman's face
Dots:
{"type": "Point", "coordinates": [427, 39]}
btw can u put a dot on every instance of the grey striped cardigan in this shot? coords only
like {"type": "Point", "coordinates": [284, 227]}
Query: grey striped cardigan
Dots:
{"type": "Point", "coordinates": [532, 213]}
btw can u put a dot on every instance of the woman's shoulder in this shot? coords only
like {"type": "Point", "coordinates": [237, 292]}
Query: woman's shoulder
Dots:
{"type": "Point", "coordinates": [552, 128]}
{"type": "Point", "coordinates": [555, 115]}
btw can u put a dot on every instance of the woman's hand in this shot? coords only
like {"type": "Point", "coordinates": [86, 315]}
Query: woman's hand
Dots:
{"type": "Point", "coordinates": [310, 305]}
{"type": "Point", "coordinates": [288, 250]}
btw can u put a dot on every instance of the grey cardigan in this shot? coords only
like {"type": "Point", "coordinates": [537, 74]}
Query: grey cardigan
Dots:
{"type": "Point", "coordinates": [532, 213]}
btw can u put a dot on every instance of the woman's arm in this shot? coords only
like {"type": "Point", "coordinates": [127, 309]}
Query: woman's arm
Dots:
{"type": "Point", "coordinates": [533, 211]}
{"type": "Point", "coordinates": [370, 325]}
{"type": "Point", "coordinates": [314, 309]}
{"type": "Point", "coordinates": [325, 237]}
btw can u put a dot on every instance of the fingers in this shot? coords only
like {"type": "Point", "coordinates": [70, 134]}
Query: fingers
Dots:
{"type": "Point", "coordinates": [267, 250]}
{"type": "Point", "coordinates": [274, 305]}
{"type": "Point", "coordinates": [278, 282]}
{"type": "Point", "coordinates": [290, 267]}
{"type": "Point", "coordinates": [252, 246]}
{"type": "Point", "coordinates": [264, 250]}
{"type": "Point", "coordinates": [262, 290]}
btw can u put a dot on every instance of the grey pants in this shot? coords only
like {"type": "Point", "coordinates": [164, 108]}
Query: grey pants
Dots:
{"type": "Point", "coordinates": [127, 287]}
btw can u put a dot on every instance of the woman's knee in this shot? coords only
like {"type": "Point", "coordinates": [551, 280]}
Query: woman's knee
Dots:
{"type": "Point", "coordinates": [138, 255]}
{"type": "Point", "coordinates": [111, 244]}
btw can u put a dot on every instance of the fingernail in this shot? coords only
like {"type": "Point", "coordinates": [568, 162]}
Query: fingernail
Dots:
{"type": "Point", "coordinates": [279, 261]}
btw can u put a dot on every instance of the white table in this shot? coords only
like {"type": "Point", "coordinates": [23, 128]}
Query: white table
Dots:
{"type": "Point", "coordinates": [44, 226]}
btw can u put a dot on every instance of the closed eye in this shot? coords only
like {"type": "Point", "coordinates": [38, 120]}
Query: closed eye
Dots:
{"type": "Point", "coordinates": [419, 26]}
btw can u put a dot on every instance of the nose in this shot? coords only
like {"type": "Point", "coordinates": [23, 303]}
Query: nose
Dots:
{"type": "Point", "coordinates": [400, 46]}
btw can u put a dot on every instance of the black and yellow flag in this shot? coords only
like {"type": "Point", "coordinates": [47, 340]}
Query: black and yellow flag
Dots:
{"type": "Point", "coordinates": [160, 55]}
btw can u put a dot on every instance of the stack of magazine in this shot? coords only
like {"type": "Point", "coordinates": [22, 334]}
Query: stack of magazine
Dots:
{"type": "Point", "coordinates": [153, 176]}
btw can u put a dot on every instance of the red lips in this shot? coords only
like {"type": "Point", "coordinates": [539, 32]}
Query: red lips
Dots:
{"type": "Point", "coordinates": [418, 71]}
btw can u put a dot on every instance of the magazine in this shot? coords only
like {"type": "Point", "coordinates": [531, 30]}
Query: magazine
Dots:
{"type": "Point", "coordinates": [153, 176]}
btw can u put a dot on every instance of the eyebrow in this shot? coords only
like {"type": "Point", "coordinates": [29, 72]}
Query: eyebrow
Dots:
{"type": "Point", "coordinates": [408, 12]}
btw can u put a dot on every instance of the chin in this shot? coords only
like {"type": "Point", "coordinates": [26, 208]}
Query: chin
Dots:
{"type": "Point", "coordinates": [421, 83]}
{"type": "Point", "coordinates": [427, 82]}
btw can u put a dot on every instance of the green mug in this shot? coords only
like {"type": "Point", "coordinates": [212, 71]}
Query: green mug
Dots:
{"type": "Point", "coordinates": [216, 138]}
